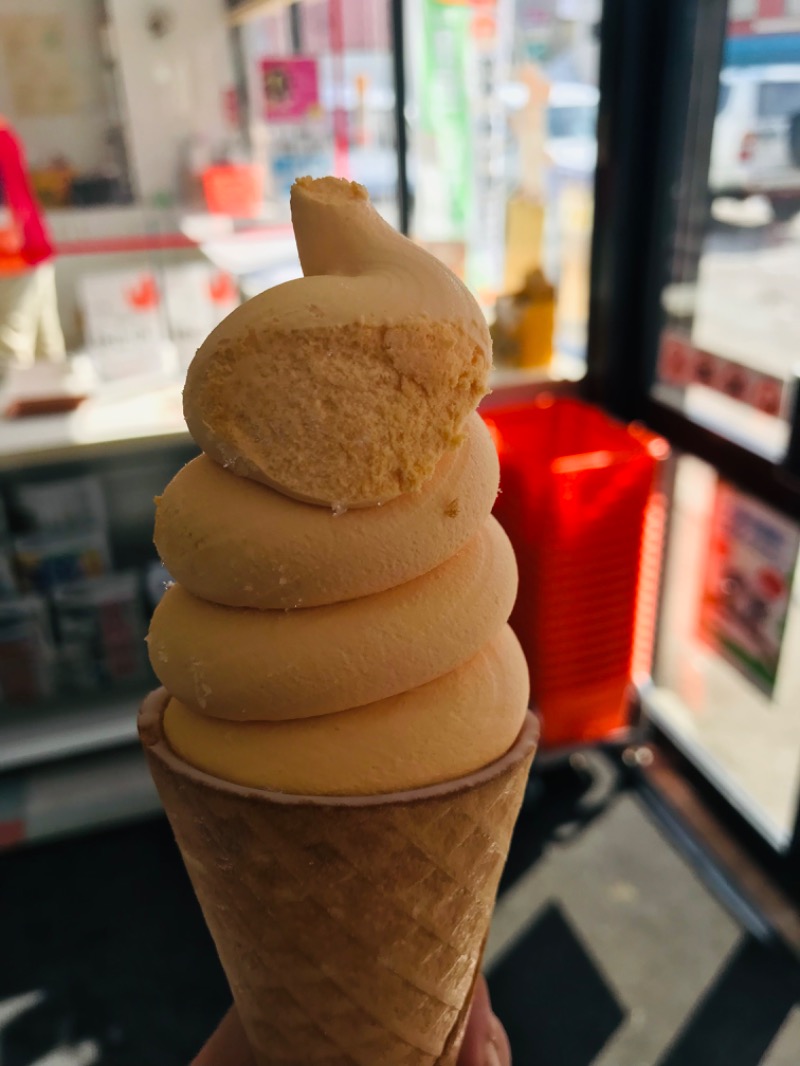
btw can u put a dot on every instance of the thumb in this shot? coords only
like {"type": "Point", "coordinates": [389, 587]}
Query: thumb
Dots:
{"type": "Point", "coordinates": [485, 1041]}
{"type": "Point", "coordinates": [227, 1046]}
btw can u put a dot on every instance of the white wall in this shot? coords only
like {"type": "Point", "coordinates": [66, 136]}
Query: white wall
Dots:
{"type": "Point", "coordinates": [78, 136]}
{"type": "Point", "coordinates": [173, 85]}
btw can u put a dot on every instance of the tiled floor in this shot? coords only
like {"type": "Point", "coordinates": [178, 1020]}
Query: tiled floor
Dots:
{"type": "Point", "coordinates": [606, 950]}
{"type": "Point", "coordinates": [615, 955]}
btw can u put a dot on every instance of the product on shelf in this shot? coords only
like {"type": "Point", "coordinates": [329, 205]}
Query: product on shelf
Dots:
{"type": "Point", "coordinates": [525, 324]}
{"type": "Point", "coordinates": [27, 656]}
{"type": "Point", "coordinates": [344, 741]}
{"type": "Point", "coordinates": [100, 625]}
{"type": "Point", "coordinates": [8, 581]}
{"type": "Point", "coordinates": [45, 560]}
{"type": "Point", "coordinates": [67, 504]}
{"type": "Point", "coordinates": [4, 527]}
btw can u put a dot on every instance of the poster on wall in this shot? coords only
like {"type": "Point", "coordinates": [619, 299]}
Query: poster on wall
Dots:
{"type": "Point", "coordinates": [751, 563]}
{"type": "Point", "coordinates": [290, 88]}
{"type": "Point", "coordinates": [37, 65]}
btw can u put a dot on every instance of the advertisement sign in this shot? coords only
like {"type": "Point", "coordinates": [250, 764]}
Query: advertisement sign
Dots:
{"type": "Point", "coordinates": [751, 563]}
{"type": "Point", "coordinates": [121, 307]}
{"type": "Point", "coordinates": [290, 86]}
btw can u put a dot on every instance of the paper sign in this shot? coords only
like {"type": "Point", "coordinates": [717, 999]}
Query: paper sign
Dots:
{"type": "Point", "coordinates": [291, 88]}
{"type": "Point", "coordinates": [121, 307]}
{"type": "Point", "coordinates": [196, 296]}
{"type": "Point", "coordinates": [138, 322]}
{"type": "Point", "coordinates": [681, 364]}
{"type": "Point", "coordinates": [751, 563]}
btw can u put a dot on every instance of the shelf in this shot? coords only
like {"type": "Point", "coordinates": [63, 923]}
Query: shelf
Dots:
{"type": "Point", "coordinates": [92, 792]}
{"type": "Point", "coordinates": [122, 423]}
{"type": "Point", "coordinates": [40, 735]}
{"type": "Point", "coordinates": [154, 418]}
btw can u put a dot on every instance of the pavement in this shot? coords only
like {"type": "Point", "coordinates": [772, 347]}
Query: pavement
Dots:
{"type": "Point", "coordinates": [746, 299]}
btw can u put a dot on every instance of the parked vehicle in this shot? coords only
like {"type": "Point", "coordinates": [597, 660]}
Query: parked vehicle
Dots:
{"type": "Point", "coordinates": [756, 145]}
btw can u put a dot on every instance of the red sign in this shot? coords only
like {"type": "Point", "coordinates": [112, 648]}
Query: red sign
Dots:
{"type": "Point", "coordinates": [681, 364]}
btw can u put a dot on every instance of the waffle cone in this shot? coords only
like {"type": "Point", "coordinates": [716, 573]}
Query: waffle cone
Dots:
{"type": "Point", "coordinates": [351, 929]}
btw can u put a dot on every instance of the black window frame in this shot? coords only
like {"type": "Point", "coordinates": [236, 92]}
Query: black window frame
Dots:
{"type": "Point", "coordinates": [659, 80]}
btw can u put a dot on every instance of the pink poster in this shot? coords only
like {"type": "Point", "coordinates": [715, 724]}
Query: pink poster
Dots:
{"type": "Point", "coordinates": [291, 88]}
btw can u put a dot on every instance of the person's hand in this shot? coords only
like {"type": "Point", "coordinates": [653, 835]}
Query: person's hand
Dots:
{"type": "Point", "coordinates": [485, 1041]}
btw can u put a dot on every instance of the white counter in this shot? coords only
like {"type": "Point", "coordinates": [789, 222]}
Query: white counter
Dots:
{"type": "Point", "coordinates": [153, 418]}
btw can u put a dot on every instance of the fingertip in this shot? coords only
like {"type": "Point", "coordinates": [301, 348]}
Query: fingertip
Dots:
{"type": "Point", "coordinates": [477, 1031]}
{"type": "Point", "coordinates": [227, 1045]}
{"type": "Point", "coordinates": [499, 1039]}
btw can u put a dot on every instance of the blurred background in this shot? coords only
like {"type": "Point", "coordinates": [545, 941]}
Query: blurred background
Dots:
{"type": "Point", "coordinates": [618, 181]}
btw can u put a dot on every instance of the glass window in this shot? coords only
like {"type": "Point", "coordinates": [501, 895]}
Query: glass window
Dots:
{"type": "Point", "coordinates": [726, 676]}
{"type": "Point", "coordinates": [728, 351]}
{"type": "Point", "coordinates": [779, 99]}
{"type": "Point", "coordinates": [341, 52]}
{"type": "Point", "coordinates": [572, 121]}
{"type": "Point", "coordinates": [503, 112]}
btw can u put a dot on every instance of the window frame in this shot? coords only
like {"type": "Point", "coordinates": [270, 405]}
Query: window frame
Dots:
{"type": "Point", "coordinates": [650, 53]}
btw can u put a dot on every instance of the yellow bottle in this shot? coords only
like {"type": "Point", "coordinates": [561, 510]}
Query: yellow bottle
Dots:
{"type": "Point", "coordinates": [537, 321]}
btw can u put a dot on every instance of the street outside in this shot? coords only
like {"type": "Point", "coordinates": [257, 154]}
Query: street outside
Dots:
{"type": "Point", "coordinates": [747, 306]}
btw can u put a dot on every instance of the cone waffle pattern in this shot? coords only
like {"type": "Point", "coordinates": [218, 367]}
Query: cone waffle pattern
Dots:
{"type": "Point", "coordinates": [349, 934]}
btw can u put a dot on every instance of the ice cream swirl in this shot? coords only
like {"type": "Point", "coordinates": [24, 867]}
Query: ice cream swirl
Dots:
{"type": "Point", "coordinates": [344, 651]}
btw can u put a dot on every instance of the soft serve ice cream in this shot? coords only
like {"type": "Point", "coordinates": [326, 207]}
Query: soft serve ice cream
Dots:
{"type": "Point", "coordinates": [338, 622]}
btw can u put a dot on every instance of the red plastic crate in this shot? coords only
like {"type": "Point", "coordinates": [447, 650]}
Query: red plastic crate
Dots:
{"type": "Point", "coordinates": [576, 489]}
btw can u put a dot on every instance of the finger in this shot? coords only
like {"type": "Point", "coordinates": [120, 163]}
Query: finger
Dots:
{"type": "Point", "coordinates": [485, 1040]}
{"type": "Point", "coordinates": [227, 1046]}
{"type": "Point", "coordinates": [498, 1039]}
{"type": "Point", "coordinates": [477, 1032]}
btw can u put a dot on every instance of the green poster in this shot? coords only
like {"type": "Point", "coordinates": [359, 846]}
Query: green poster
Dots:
{"type": "Point", "coordinates": [445, 109]}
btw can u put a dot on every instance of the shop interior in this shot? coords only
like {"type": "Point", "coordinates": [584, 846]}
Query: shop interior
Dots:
{"type": "Point", "coordinates": [619, 186]}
